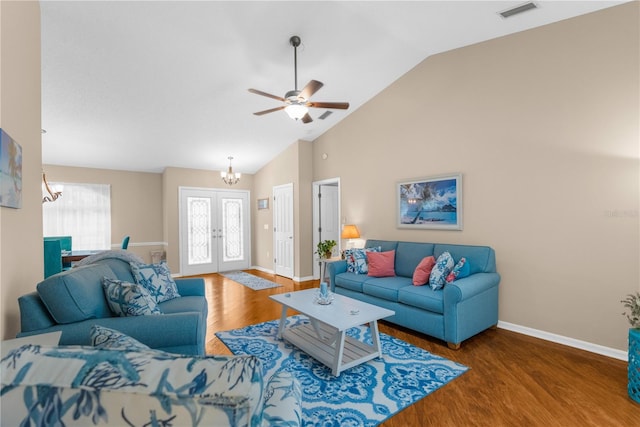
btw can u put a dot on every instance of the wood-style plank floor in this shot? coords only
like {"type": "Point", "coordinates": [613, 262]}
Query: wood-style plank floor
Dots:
{"type": "Point", "coordinates": [514, 380]}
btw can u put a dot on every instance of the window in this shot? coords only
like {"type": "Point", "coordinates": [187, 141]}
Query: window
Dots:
{"type": "Point", "coordinates": [83, 212]}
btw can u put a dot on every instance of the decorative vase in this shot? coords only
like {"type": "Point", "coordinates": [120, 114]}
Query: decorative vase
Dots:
{"type": "Point", "coordinates": [634, 364]}
{"type": "Point", "coordinates": [327, 255]}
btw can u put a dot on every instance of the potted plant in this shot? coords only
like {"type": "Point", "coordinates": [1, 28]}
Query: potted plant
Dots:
{"type": "Point", "coordinates": [632, 302]}
{"type": "Point", "coordinates": [325, 248]}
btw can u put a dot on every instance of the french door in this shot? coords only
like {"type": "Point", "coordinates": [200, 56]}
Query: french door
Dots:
{"type": "Point", "coordinates": [214, 230]}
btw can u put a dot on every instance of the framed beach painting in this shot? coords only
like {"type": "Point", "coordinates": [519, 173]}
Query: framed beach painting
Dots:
{"type": "Point", "coordinates": [10, 172]}
{"type": "Point", "coordinates": [434, 203]}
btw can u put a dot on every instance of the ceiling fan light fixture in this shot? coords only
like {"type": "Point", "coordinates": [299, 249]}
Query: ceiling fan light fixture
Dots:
{"type": "Point", "coordinates": [296, 111]}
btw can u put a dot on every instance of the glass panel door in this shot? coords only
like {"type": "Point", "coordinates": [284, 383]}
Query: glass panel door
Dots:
{"type": "Point", "coordinates": [214, 231]}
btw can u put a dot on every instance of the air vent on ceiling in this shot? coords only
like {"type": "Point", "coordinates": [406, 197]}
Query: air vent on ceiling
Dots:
{"type": "Point", "coordinates": [325, 115]}
{"type": "Point", "coordinates": [518, 9]}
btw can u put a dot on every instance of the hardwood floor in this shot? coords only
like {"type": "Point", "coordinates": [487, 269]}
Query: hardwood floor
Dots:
{"type": "Point", "coordinates": [514, 380]}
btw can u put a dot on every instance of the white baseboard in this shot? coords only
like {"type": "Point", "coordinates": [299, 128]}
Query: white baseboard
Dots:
{"type": "Point", "coordinates": [571, 342]}
{"type": "Point", "coordinates": [264, 270]}
{"type": "Point", "coordinates": [295, 278]}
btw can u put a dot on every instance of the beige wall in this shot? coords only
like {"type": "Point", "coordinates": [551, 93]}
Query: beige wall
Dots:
{"type": "Point", "coordinates": [543, 126]}
{"type": "Point", "coordinates": [21, 254]}
{"type": "Point", "coordinates": [294, 166]}
{"type": "Point", "coordinates": [136, 204]}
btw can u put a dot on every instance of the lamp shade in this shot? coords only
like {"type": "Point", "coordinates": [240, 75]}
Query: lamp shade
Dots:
{"type": "Point", "coordinates": [350, 231]}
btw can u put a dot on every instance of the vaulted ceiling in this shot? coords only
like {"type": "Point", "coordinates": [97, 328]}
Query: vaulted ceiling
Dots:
{"type": "Point", "coordinates": [148, 84]}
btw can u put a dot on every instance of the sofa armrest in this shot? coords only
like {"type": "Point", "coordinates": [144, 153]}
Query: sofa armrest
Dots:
{"type": "Point", "coordinates": [470, 307]}
{"type": "Point", "coordinates": [336, 268]}
{"type": "Point", "coordinates": [469, 287]}
{"type": "Point", "coordinates": [33, 313]}
{"type": "Point", "coordinates": [283, 402]}
{"type": "Point", "coordinates": [193, 286]}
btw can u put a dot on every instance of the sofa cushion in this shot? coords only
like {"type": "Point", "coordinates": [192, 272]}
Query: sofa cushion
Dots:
{"type": "Point", "coordinates": [385, 287]}
{"type": "Point", "coordinates": [482, 259]}
{"type": "Point", "coordinates": [357, 259]}
{"type": "Point", "coordinates": [351, 281]}
{"type": "Point", "coordinates": [444, 265]}
{"type": "Point", "coordinates": [91, 386]}
{"type": "Point", "coordinates": [121, 268]}
{"type": "Point", "coordinates": [102, 337]}
{"type": "Point", "coordinates": [381, 264]}
{"type": "Point", "coordinates": [384, 245]}
{"type": "Point", "coordinates": [422, 297]}
{"type": "Point", "coordinates": [409, 255]}
{"type": "Point", "coordinates": [76, 294]}
{"type": "Point", "coordinates": [423, 271]}
{"type": "Point", "coordinates": [128, 299]}
{"type": "Point", "coordinates": [157, 279]}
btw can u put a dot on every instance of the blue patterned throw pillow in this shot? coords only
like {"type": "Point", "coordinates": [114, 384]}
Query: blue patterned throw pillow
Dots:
{"type": "Point", "coordinates": [357, 259]}
{"type": "Point", "coordinates": [460, 271]}
{"type": "Point", "coordinates": [102, 337]}
{"type": "Point", "coordinates": [156, 278]}
{"type": "Point", "coordinates": [444, 265]}
{"type": "Point", "coordinates": [128, 299]}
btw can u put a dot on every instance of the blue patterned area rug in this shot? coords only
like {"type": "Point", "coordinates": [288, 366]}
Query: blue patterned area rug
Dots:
{"type": "Point", "coordinates": [249, 280]}
{"type": "Point", "coordinates": [364, 395]}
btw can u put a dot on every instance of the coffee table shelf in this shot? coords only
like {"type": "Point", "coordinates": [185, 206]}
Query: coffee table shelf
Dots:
{"type": "Point", "coordinates": [325, 337]}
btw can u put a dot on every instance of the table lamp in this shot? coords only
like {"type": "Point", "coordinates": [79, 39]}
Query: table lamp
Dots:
{"type": "Point", "coordinates": [350, 231]}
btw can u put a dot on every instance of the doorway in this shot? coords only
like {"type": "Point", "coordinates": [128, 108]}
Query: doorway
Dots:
{"type": "Point", "coordinates": [326, 216]}
{"type": "Point", "coordinates": [214, 230]}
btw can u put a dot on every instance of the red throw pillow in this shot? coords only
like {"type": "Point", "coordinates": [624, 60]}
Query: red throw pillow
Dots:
{"type": "Point", "coordinates": [423, 271]}
{"type": "Point", "coordinates": [381, 264]}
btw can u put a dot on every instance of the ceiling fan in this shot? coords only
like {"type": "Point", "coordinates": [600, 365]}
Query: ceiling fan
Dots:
{"type": "Point", "coordinates": [296, 102]}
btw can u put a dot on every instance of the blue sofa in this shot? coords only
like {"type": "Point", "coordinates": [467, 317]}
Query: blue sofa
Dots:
{"type": "Point", "coordinates": [74, 300]}
{"type": "Point", "coordinates": [454, 313]}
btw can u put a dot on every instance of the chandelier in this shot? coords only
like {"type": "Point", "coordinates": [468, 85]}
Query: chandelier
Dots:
{"type": "Point", "coordinates": [48, 195]}
{"type": "Point", "coordinates": [230, 177]}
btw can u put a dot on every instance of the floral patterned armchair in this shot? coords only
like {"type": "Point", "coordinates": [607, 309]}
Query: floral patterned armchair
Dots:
{"type": "Point", "coordinates": [82, 386]}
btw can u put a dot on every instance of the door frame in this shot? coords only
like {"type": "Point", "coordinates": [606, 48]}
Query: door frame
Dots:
{"type": "Point", "coordinates": [316, 219]}
{"type": "Point", "coordinates": [214, 192]}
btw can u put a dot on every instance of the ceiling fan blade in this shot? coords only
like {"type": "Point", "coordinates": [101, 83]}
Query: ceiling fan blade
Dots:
{"type": "Point", "coordinates": [312, 87]}
{"type": "Point", "coordinates": [338, 105]}
{"type": "Point", "coordinates": [268, 95]}
{"type": "Point", "coordinates": [306, 118]}
{"type": "Point", "coordinates": [260, 113]}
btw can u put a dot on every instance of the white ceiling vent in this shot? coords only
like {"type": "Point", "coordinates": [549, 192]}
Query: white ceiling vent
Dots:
{"type": "Point", "coordinates": [325, 115]}
{"type": "Point", "coordinates": [518, 9]}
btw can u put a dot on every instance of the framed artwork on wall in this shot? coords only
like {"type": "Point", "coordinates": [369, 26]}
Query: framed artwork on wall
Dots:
{"type": "Point", "coordinates": [434, 203]}
{"type": "Point", "coordinates": [263, 203]}
{"type": "Point", "coordinates": [10, 172]}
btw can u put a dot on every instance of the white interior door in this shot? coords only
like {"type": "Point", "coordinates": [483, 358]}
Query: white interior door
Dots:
{"type": "Point", "coordinates": [283, 232]}
{"type": "Point", "coordinates": [326, 216]}
{"type": "Point", "coordinates": [214, 230]}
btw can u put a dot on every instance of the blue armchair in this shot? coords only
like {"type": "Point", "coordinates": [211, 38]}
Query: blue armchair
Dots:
{"type": "Point", "coordinates": [74, 300]}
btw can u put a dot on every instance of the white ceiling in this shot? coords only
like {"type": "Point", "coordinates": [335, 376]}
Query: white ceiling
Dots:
{"type": "Point", "coordinates": [148, 84]}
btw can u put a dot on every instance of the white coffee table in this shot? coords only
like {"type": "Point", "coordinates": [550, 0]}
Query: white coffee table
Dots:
{"type": "Point", "coordinates": [324, 338]}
